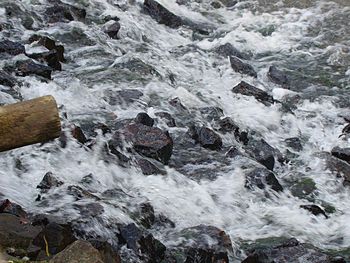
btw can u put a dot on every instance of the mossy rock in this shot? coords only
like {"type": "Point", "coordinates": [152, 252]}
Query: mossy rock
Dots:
{"type": "Point", "coordinates": [304, 188]}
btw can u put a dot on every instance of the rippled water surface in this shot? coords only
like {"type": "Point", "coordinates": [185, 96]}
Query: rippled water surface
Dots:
{"type": "Point", "coordinates": [309, 40]}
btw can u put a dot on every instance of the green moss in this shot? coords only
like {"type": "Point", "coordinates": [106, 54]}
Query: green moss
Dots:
{"type": "Point", "coordinates": [303, 188]}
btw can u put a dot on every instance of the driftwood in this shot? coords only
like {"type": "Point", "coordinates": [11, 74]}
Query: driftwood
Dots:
{"type": "Point", "coordinates": [29, 122]}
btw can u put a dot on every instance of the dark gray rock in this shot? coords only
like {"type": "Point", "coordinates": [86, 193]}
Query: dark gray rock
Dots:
{"type": "Point", "coordinates": [148, 167]}
{"type": "Point", "coordinates": [78, 134]}
{"type": "Point", "coordinates": [144, 119]}
{"type": "Point", "coordinates": [262, 152]}
{"type": "Point", "coordinates": [212, 113]}
{"type": "Point", "coordinates": [161, 14]}
{"type": "Point", "coordinates": [290, 251]}
{"type": "Point", "coordinates": [206, 137]}
{"type": "Point", "coordinates": [51, 58]}
{"type": "Point", "coordinates": [242, 67]}
{"type": "Point", "coordinates": [126, 96]}
{"type": "Point", "coordinates": [50, 44]}
{"type": "Point", "coordinates": [228, 125]}
{"type": "Point", "coordinates": [49, 181]}
{"type": "Point", "coordinates": [61, 12]}
{"type": "Point", "coordinates": [227, 50]}
{"type": "Point", "coordinates": [261, 178]}
{"type": "Point", "coordinates": [277, 76]}
{"type": "Point", "coordinates": [248, 90]}
{"type": "Point", "coordinates": [294, 143]}
{"type": "Point", "coordinates": [112, 28]}
{"type": "Point", "coordinates": [12, 48]}
{"type": "Point", "coordinates": [315, 210]}
{"type": "Point", "coordinates": [341, 153]}
{"type": "Point", "coordinates": [337, 166]}
{"type": "Point", "coordinates": [28, 67]}
{"type": "Point", "coordinates": [108, 253]}
{"type": "Point", "coordinates": [6, 206]}
{"type": "Point", "coordinates": [7, 80]}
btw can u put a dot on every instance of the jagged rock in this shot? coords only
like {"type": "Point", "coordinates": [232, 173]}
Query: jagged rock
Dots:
{"type": "Point", "coordinates": [227, 50]}
{"type": "Point", "coordinates": [144, 119]}
{"type": "Point", "coordinates": [242, 67]}
{"type": "Point", "coordinates": [90, 209]}
{"type": "Point", "coordinates": [149, 168]}
{"type": "Point", "coordinates": [54, 237]}
{"type": "Point", "coordinates": [161, 14]}
{"type": "Point", "coordinates": [290, 251]}
{"type": "Point", "coordinates": [169, 120]}
{"type": "Point", "coordinates": [78, 252]}
{"type": "Point", "coordinates": [50, 44]}
{"type": "Point", "coordinates": [78, 134]}
{"type": "Point", "coordinates": [262, 152]}
{"type": "Point", "coordinates": [6, 206]}
{"type": "Point", "coordinates": [15, 233]}
{"type": "Point", "coordinates": [229, 3]}
{"type": "Point", "coordinates": [6, 79]}
{"type": "Point", "coordinates": [28, 67]}
{"type": "Point", "coordinates": [261, 177]}
{"type": "Point", "coordinates": [61, 12]}
{"type": "Point", "coordinates": [248, 90]}
{"type": "Point", "coordinates": [12, 48]}
{"type": "Point", "coordinates": [149, 141]}
{"type": "Point", "coordinates": [206, 137]}
{"type": "Point", "coordinates": [277, 76]}
{"type": "Point", "coordinates": [212, 113]}
{"type": "Point", "coordinates": [315, 210]}
{"type": "Point", "coordinates": [151, 249]}
{"type": "Point", "coordinates": [49, 181]}
{"type": "Point", "coordinates": [145, 215]}
{"type": "Point", "coordinates": [80, 193]}
{"type": "Point", "coordinates": [339, 167]}
{"type": "Point", "coordinates": [233, 152]}
{"type": "Point", "coordinates": [227, 125]}
{"type": "Point", "coordinates": [107, 252]}
{"type": "Point", "coordinates": [201, 244]}
{"type": "Point", "coordinates": [294, 143]}
{"type": "Point", "coordinates": [111, 28]}
{"type": "Point", "coordinates": [216, 4]}
{"type": "Point", "coordinates": [341, 153]}
{"type": "Point", "coordinates": [51, 58]}
{"type": "Point", "coordinates": [303, 188]}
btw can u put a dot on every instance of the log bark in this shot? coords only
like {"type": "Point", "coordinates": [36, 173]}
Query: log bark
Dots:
{"type": "Point", "coordinates": [29, 122]}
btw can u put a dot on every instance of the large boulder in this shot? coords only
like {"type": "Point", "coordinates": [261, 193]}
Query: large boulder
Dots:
{"type": "Point", "coordinates": [248, 90]}
{"type": "Point", "coordinates": [290, 251]}
{"type": "Point", "coordinates": [78, 252]}
{"type": "Point", "coordinates": [262, 152]}
{"type": "Point", "coordinates": [242, 67]}
{"type": "Point", "coordinates": [149, 141]}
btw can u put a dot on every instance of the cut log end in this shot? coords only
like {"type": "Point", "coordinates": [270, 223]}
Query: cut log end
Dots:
{"type": "Point", "coordinates": [29, 122]}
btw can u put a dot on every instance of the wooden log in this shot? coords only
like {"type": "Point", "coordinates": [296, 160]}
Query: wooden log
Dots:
{"type": "Point", "coordinates": [29, 122]}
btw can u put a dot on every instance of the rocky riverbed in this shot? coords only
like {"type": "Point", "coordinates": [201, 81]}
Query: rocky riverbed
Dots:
{"type": "Point", "coordinates": [193, 131]}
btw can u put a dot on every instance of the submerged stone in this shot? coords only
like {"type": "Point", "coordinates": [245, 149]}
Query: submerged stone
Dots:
{"type": "Point", "coordinates": [12, 48]}
{"type": "Point", "coordinates": [261, 178]}
{"type": "Point", "coordinates": [315, 210]}
{"type": "Point", "coordinates": [341, 153]}
{"type": "Point", "coordinates": [206, 137]}
{"type": "Point", "coordinates": [49, 181]}
{"type": "Point", "coordinates": [242, 67]}
{"type": "Point", "coordinates": [227, 50]}
{"type": "Point", "coordinates": [277, 76]}
{"type": "Point", "coordinates": [262, 152]}
{"type": "Point", "coordinates": [144, 119]}
{"type": "Point", "coordinates": [248, 90]}
{"type": "Point", "coordinates": [28, 67]}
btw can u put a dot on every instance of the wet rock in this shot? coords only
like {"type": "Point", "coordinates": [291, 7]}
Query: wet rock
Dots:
{"type": "Point", "coordinates": [78, 252]}
{"type": "Point", "coordinates": [242, 137]}
{"type": "Point", "coordinates": [227, 50]}
{"type": "Point", "coordinates": [169, 120]}
{"type": "Point", "coordinates": [13, 233]}
{"type": "Point", "coordinates": [7, 80]}
{"type": "Point", "coordinates": [229, 3]}
{"type": "Point", "coordinates": [294, 143]}
{"type": "Point", "coordinates": [78, 134]}
{"type": "Point", "coordinates": [144, 119]}
{"type": "Point", "coordinates": [161, 14]}
{"type": "Point", "coordinates": [60, 12]}
{"type": "Point", "coordinates": [151, 249]}
{"type": "Point", "coordinates": [136, 65]}
{"type": "Point", "coordinates": [216, 4]}
{"type": "Point", "coordinates": [176, 103]}
{"type": "Point", "coordinates": [341, 153]}
{"type": "Point", "coordinates": [6, 206]}
{"type": "Point", "coordinates": [248, 90]}
{"type": "Point", "coordinates": [202, 244]}
{"type": "Point", "coordinates": [126, 96]}
{"type": "Point", "coordinates": [50, 44]}
{"type": "Point", "coordinates": [291, 250]}
{"type": "Point", "coordinates": [149, 168]}
{"type": "Point", "coordinates": [112, 28]}
{"type": "Point", "coordinates": [303, 188]}
{"type": "Point", "coordinates": [277, 76]}
{"type": "Point", "coordinates": [227, 125]}
{"type": "Point", "coordinates": [206, 137]}
{"type": "Point", "coordinates": [149, 141]}
{"type": "Point", "coordinates": [145, 215]}
{"type": "Point", "coordinates": [54, 237]}
{"type": "Point", "coordinates": [25, 17]}
{"type": "Point", "coordinates": [80, 193]}
{"type": "Point", "coordinates": [12, 48]}
{"type": "Point", "coordinates": [262, 152]}
{"type": "Point", "coordinates": [315, 210]}
{"type": "Point", "coordinates": [48, 182]}
{"type": "Point", "coordinates": [261, 177]}
{"type": "Point", "coordinates": [51, 58]}
{"type": "Point", "coordinates": [339, 167]}
{"type": "Point", "coordinates": [242, 67]}
{"type": "Point", "coordinates": [212, 113]}
{"type": "Point", "coordinates": [28, 67]}
{"type": "Point", "coordinates": [107, 252]}
{"type": "Point", "coordinates": [233, 152]}
{"type": "Point", "coordinates": [90, 210]}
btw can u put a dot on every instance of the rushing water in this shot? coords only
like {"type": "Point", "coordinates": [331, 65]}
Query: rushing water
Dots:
{"type": "Point", "coordinates": [307, 39]}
